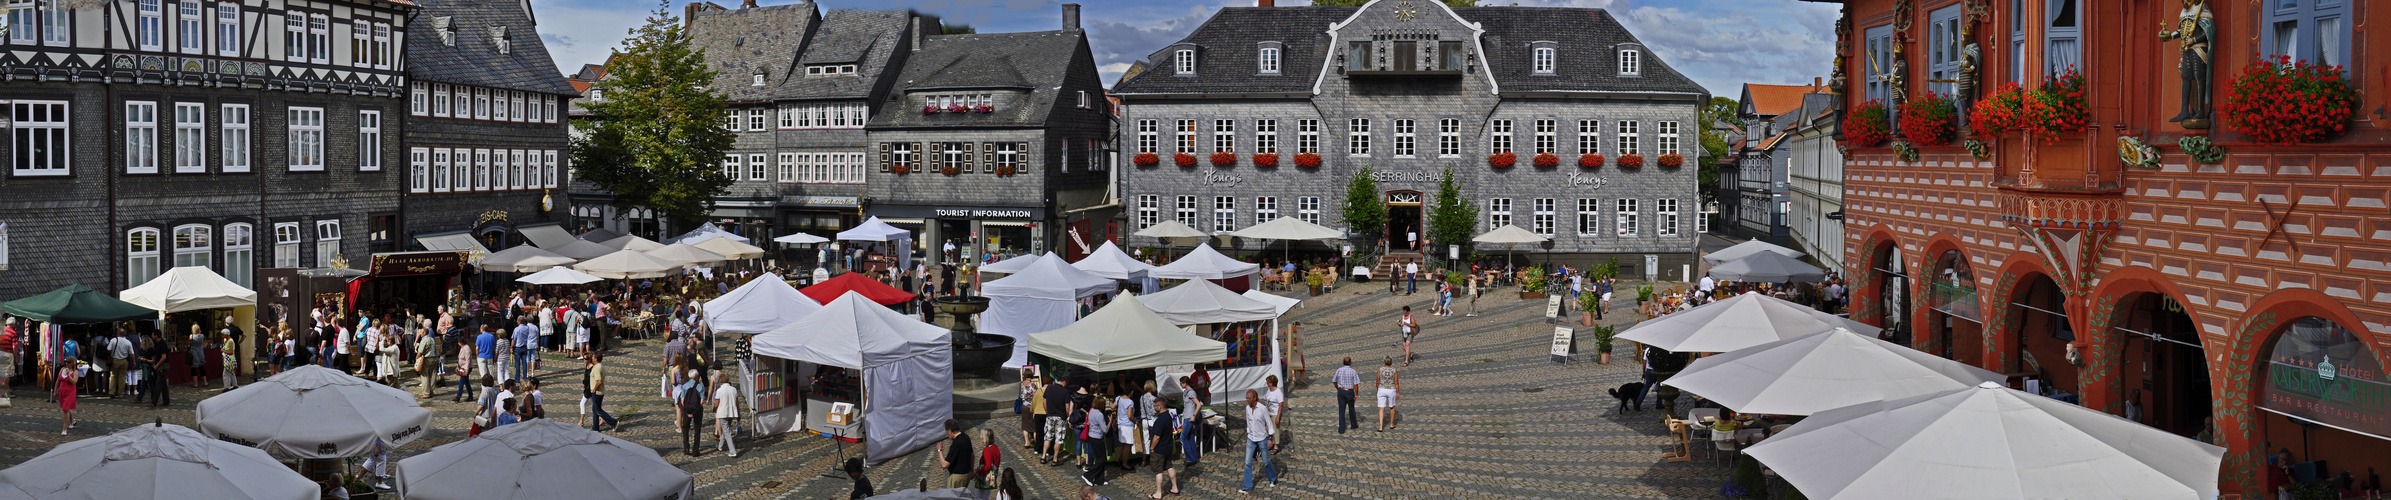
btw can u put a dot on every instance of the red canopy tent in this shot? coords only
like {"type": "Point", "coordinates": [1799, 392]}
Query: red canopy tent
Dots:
{"type": "Point", "coordinates": [830, 289]}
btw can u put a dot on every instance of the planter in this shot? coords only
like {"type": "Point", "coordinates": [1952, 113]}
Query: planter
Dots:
{"type": "Point", "coordinates": [1604, 357]}
{"type": "Point", "coordinates": [1586, 317]}
{"type": "Point", "coordinates": [1530, 295]}
{"type": "Point", "coordinates": [1315, 290]}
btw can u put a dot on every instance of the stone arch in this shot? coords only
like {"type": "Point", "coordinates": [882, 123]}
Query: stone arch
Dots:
{"type": "Point", "coordinates": [2235, 376]}
{"type": "Point", "coordinates": [1923, 325]}
{"type": "Point", "coordinates": [2102, 346]}
{"type": "Point", "coordinates": [2000, 318]}
{"type": "Point", "coordinates": [1865, 294]}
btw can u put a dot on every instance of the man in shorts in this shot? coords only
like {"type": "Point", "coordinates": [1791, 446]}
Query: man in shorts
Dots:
{"type": "Point", "coordinates": [1058, 423]}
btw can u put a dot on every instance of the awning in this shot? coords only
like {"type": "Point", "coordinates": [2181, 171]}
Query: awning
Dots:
{"type": "Point", "coordinates": [458, 241]}
{"type": "Point", "coordinates": [546, 236]}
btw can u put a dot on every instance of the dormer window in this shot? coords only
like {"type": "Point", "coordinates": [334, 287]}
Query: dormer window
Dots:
{"type": "Point", "coordinates": [499, 37]}
{"type": "Point", "coordinates": [830, 69]}
{"type": "Point", "coordinates": [1184, 62]}
{"type": "Point", "coordinates": [448, 32]}
{"type": "Point", "coordinates": [1631, 62]}
{"type": "Point", "coordinates": [1544, 57]}
{"type": "Point", "coordinates": [759, 79]}
{"type": "Point", "coordinates": [1267, 59]}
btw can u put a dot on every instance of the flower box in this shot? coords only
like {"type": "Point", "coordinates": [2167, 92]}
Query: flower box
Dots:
{"type": "Point", "coordinates": [950, 170]}
{"type": "Point", "coordinates": [1671, 160]}
{"type": "Point", "coordinates": [929, 110]}
{"type": "Point", "coordinates": [1146, 159]}
{"type": "Point", "coordinates": [1589, 160]}
{"type": "Point", "coordinates": [1932, 121]}
{"type": "Point", "coordinates": [2282, 101]}
{"type": "Point", "coordinates": [900, 169]}
{"type": "Point", "coordinates": [1547, 160]}
{"type": "Point", "coordinates": [1184, 160]}
{"type": "Point", "coordinates": [1224, 159]}
{"type": "Point", "coordinates": [957, 108]}
{"type": "Point", "coordinates": [1307, 160]}
{"type": "Point", "coordinates": [1266, 160]}
{"type": "Point", "coordinates": [1997, 113]}
{"type": "Point", "coordinates": [987, 108]}
{"type": "Point", "coordinates": [1007, 170]}
{"type": "Point", "coordinates": [1502, 160]}
{"type": "Point", "coordinates": [2057, 110]}
{"type": "Point", "coordinates": [1869, 125]}
{"type": "Point", "coordinates": [1631, 161]}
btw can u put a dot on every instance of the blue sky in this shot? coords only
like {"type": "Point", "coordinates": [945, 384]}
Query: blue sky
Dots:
{"type": "Point", "coordinates": [1720, 43]}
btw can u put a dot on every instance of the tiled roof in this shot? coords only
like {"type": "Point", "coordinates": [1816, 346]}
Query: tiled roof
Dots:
{"type": "Point", "coordinates": [868, 39]}
{"type": "Point", "coordinates": [1771, 100]}
{"type": "Point", "coordinates": [738, 43]}
{"type": "Point", "coordinates": [1035, 61]}
{"type": "Point", "coordinates": [1587, 59]}
{"type": "Point", "coordinates": [1225, 57]}
{"type": "Point", "coordinates": [474, 59]}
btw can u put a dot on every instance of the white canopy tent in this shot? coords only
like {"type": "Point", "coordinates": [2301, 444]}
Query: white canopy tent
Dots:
{"type": "Point", "coordinates": [627, 264]}
{"type": "Point", "coordinates": [1202, 302]}
{"type": "Point", "coordinates": [542, 459]}
{"type": "Point", "coordinates": [688, 256]}
{"type": "Point", "coordinates": [1013, 265]}
{"type": "Point", "coordinates": [524, 259]}
{"type": "Point", "coordinates": [584, 249]}
{"type": "Point", "coordinates": [1125, 335]}
{"type": "Point", "coordinates": [1204, 263]}
{"type": "Point", "coordinates": [705, 232]}
{"type": "Point", "coordinates": [316, 413]}
{"type": "Point", "coordinates": [633, 243]}
{"type": "Point", "coordinates": [1211, 311]}
{"type": "Point", "coordinates": [730, 248]}
{"type": "Point", "coordinates": [195, 288]}
{"type": "Point", "coordinates": [1043, 296]}
{"type": "Point", "coordinates": [801, 239]}
{"type": "Point", "coordinates": [156, 462]}
{"type": "Point", "coordinates": [1737, 322]}
{"type": "Point", "coordinates": [1276, 301]}
{"type": "Point", "coordinates": [907, 366]}
{"type": "Point", "coordinates": [762, 305]}
{"type": "Point", "coordinates": [559, 276]}
{"type": "Point", "coordinates": [897, 240]}
{"type": "Point", "coordinates": [1109, 261]}
{"type": "Point", "coordinates": [1746, 249]}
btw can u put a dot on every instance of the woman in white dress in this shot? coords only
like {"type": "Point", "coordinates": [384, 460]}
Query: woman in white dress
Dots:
{"type": "Point", "coordinates": [386, 351]}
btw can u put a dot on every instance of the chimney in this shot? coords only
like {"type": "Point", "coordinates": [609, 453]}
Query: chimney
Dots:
{"type": "Point", "coordinates": [1814, 82]}
{"type": "Point", "coordinates": [1266, 3]}
{"type": "Point", "coordinates": [749, 4]}
{"type": "Point", "coordinates": [1070, 17]}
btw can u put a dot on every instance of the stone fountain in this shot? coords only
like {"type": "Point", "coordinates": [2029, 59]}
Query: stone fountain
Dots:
{"type": "Point", "coordinates": [977, 355]}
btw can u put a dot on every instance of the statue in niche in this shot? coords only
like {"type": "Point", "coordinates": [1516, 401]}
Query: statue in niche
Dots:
{"type": "Point", "coordinates": [2194, 28]}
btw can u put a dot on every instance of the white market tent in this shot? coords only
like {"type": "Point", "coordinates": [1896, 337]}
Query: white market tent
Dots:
{"type": "Point", "coordinates": [1109, 261]}
{"type": "Point", "coordinates": [705, 232]}
{"type": "Point", "coordinates": [1202, 302]}
{"type": "Point", "coordinates": [1013, 265]}
{"type": "Point", "coordinates": [1204, 263]}
{"type": "Point", "coordinates": [1043, 296]}
{"type": "Point", "coordinates": [524, 259]}
{"type": "Point", "coordinates": [559, 276]}
{"type": "Point", "coordinates": [1125, 335]}
{"type": "Point", "coordinates": [194, 288]}
{"type": "Point", "coordinates": [1171, 229]}
{"type": "Point", "coordinates": [633, 243]}
{"type": "Point", "coordinates": [1210, 309]}
{"type": "Point", "coordinates": [907, 366]}
{"type": "Point", "coordinates": [1746, 249]}
{"type": "Point", "coordinates": [801, 239]}
{"type": "Point", "coordinates": [762, 305]}
{"type": "Point", "coordinates": [688, 256]}
{"type": "Point", "coordinates": [1276, 301]}
{"type": "Point", "coordinates": [542, 459]}
{"type": "Point", "coordinates": [158, 461]}
{"type": "Point", "coordinates": [626, 264]}
{"type": "Point", "coordinates": [729, 248]}
{"type": "Point", "coordinates": [898, 239]}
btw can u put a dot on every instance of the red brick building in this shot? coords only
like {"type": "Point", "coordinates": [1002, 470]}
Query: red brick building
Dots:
{"type": "Point", "coordinates": [2254, 290]}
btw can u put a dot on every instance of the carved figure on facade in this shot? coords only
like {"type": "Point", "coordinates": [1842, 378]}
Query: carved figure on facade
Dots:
{"type": "Point", "coordinates": [2194, 27]}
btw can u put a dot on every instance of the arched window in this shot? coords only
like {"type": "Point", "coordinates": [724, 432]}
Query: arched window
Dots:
{"type": "Point", "coordinates": [240, 260]}
{"type": "Point", "coordinates": [141, 256]}
{"type": "Point", "coordinates": [192, 245]}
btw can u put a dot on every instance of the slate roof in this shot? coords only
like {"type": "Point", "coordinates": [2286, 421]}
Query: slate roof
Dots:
{"type": "Point", "coordinates": [740, 42]}
{"type": "Point", "coordinates": [1036, 61]}
{"type": "Point", "coordinates": [1586, 59]}
{"type": "Point", "coordinates": [869, 39]}
{"type": "Point", "coordinates": [1225, 56]}
{"type": "Point", "coordinates": [475, 60]}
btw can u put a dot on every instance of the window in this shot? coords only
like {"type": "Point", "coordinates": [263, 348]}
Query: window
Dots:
{"type": "Point", "coordinates": [2063, 47]}
{"type": "Point", "coordinates": [902, 154]}
{"type": "Point", "coordinates": [189, 33]}
{"type": "Point", "coordinates": [959, 155]}
{"type": "Point", "coordinates": [1544, 61]}
{"type": "Point", "coordinates": [442, 178]}
{"type": "Point", "coordinates": [1149, 210]}
{"type": "Point", "coordinates": [1357, 137]}
{"type": "Point", "coordinates": [190, 137]}
{"type": "Point", "coordinates": [514, 103]}
{"type": "Point", "coordinates": [547, 109]}
{"type": "Point", "coordinates": [319, 39]}
{"type": "Point", "coordinates": [1307, 208]}
{"type": "Point", "coordinates": [235, 135]}
{"type": "Point", "coordinates": [1224, 213]}
{"type": "Point", "coordinates": [1451, 56]}
{"type": "Point", "coordinates": [788, 118]}
{"type": "Point", "coordinates": [327, 242]}
{"type": "Point", "coordinates": [1184, 62]}
{"type": "Point", "coordinates": [1095, 155]}
{"type": "Point", "coordinates": [1187, 210]}
{"type": "Point", "coordinates": [481, 104]}
{"type": "Point", "coordinates": [1666, 224]}
{"type": "Point", "coordinates": [1502, 136]}
{"type": "Point", "coordinates": [1307, 136]}
{"type": "Point", "coordinates": [1589, 216]}
{"type": "Point", "coordinates": [141, 137]}
{"type": "Point", "coordinates": [1266, 209]}
{"type": "Point", "coordinates": [1627, 218]}
{"type": "Point", "coordinates": [382, 47]}
{"type": "Point", "coordinates": [38, 132]}
{"type": "Point", "coordinates": [498, 108]}
{"type": "Point", "coordinates": [1083, 100]}
{"type": "Point", "coordinates": [419, 99]}
{"type": "Point", "coordinates": [141, 256]}
{"type": "Point", "coordinates": [855, 167]}
{"type": "Point", "coordinates": [1631, 62]}
{"type": "Point", "coordinates": [1545, 219]}
{"type": "Point", "coordinates": [1269, 61]}
{"type": "Point", "coordinates": [361, 35]}
{"type": "Point", "coordinates": [2317, 31]}
{"type": "Point", "coordinates": [286, 245]}
{"type": "Point", "coordinates": [1702, 220]}
{"type": "Point", "coordinates": [369, 140]}
{"type": "Point", "coordinates": [549, 173]}
{"type": "Point", "coordinates": [1942, 51]}
{"type": "Point", "coordinates": [481, 170]}
{"type": "Point", "coordinates": [1187, 132]}
{"type": "Point", "coordinates": [1357, 56]}
{"type": "Point", "coordinates": [1448, 138]}
{"type": "Point", "coordinates": [21, 23]}
{"type": "Point", "coordinates": [1880, 61]}
{"type": "Point", "coordinates": [294, 36]}
{"type": "Point", "coordinates": [525, 170]}
{"type": "Point", "coordinates": [307, 139]}
{"type": "Point", "coordinates": [1407, 139]}
{"type": "Point", "coordinates": [1666, 137]}
{"type": "Point", "coordinates": [755, 119]}
{"type": "Point", "coordinates": [440, 101]}
{"type": "Point", "coordinates": [228, 34]}
{"type": "Point", "coordinates": [1589, 137]}
{"type": "Point", "coordinates": [1266, 136]}
{"type": "Point", "coordinates": [1547, 136]}
{"type": "Point", "coordinates": [419, 170]}
{"type": "Point", "coordinates": [1630, 141]}
{"type": "Point", "coordinates": [192, 245]}
{"type": "Point", "coordinates": [788, 167]}
{"type": "Point", "coordinates": [1224, 135]}
{"type": "Point", "coordinates": [2017, 42]}
{"type": "Point", "coordinates": [1498, 213]}
{"type": "Point", "coordinates": [1146, 131]}
{"type": "Point", "coordinates": [1008, 154]}
{"type": "Point", "coordinates": [149, 28]}
{"type": "Point", "coordinates": [756, 166]}
{"type": "Point", "coordinates": [239, 261]}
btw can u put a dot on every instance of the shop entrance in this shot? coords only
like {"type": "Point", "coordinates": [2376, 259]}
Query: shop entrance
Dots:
{"type": "Point", "coordinates": [2164, 369]}
{"type": "Point", "coordinates": [955, 234]}
{"type": "Point", "coordinates": [1892, 292]}
{"type": "Point", "coordinates": [2039, 325]}
{"type": "Point", "coordinates": [1953, 310]}
{"type": "Point", "coordinates": [1404, 219]}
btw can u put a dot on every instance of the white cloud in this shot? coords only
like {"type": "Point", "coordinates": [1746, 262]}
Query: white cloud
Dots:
{"type": "Point", "coordinates": [581, 32]}
{"type": "Point", "coordinates": [1722, 48]}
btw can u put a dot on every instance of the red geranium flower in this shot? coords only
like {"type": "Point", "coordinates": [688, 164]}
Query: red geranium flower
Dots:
{"type": "Point", "coordinates": [2283, 101]}
{"type": "Point", "coordinates": [1631, 161]}
{"type": "Point", "coordinates": [900, 169]}
{"type": "Point", "coordinates": [1183, 159]}
{"type": "Point", "coordinates": [1672, 160]}
{"type": "Point", "coordinates": [1932, 121]}
{"type": "Point", "coordinates": [1997, 114]}
{"type": "Point", "coordinates": [2056, 110]}
{"type": "Point", "coordinates": [1868, 125]}
{"type": "Point", "coordinates": [1589, 160]}
{"type": "Point", "coordinates": [1547, 160]}
{"type": "Point", "coordinates": [1307, 160]}
{"type": "Point", "coordinates": [1223, 158]}
{"type": "Point", "coordinates": [1502, 160]}
{"type": "Point", "coordinates": [1145, 159]}
{"type": "Point", "coordinates": [1266, 159]}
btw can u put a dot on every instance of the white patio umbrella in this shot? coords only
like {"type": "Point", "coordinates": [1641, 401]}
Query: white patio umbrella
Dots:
{"type": "Point", "coordinates": [316, 413]}
{"type": "Point", "coordinates": [156, 461]}
{"type": "Point", "coordinates": [542, 459]}
{"type": "Point", "coordinates": [1288, 229]}
{"type": "Point", "coordinates": [1737, 322]}
{"type": "Point", "coordinates": [1171, 232]}
{"type": "Point", "coordinates": [1508, 236]}
{"type": "Point", "coordinates": [1822, 371]}
{"type": "Point", "coordinates": [686, 255]}
{"type": "Point", "coordinates": [1987, 442]}
{"type": "Point", "coordinates": [1746, 249]}
{"type": "Point", "coordinates": [583, 249]}
{"type": "Point", "coordinates": [559, 276]}
{"type": "Point", "coordinates": [627, 264]}
{"type": "Point", "coordinates": [524, 258]}
{"type": "Point", "coordinates": [730, 248]}
{"type": "Point", "coordinates": [1768, 267]}
{"type": "Point", "coordinates": [801, 239]}
{"type": "Point", "coordinates": [633, 243]}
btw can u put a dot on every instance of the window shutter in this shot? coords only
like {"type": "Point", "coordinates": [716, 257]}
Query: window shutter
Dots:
{"type": "Point", "coordinates": [988, 157]}
{"type": "Point", "coordinates": [920, 152]}
{"type": "Point", "coordinates": [884, 160]}
{"type": "Point", "coordinates": [971, 157]}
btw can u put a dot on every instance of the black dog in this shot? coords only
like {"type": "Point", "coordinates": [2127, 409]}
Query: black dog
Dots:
{"type": "Point", "coordinates": [1629, 394]}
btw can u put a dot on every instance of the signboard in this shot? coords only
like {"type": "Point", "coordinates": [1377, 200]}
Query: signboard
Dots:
{"type": "Point", "coordinates": [415, 263]}
{"type": "Point", "coordinates": [2323, 373]}
{"type": "Point", "coordinates": [1564, 340]}
{"type": "Point", "coordinates": [1552, 306]}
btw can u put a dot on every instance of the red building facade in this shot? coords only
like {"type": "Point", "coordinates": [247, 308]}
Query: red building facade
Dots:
{"type": "Point", "coordinates": [2246, 300]}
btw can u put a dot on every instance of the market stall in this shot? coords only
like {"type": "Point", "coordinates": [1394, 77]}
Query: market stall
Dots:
{"type": "Point", "coordinates": [632, 243]}
{"type": "Point", "coordinates": [763, 304]}
{"type": "Point", "coordinates": [1110, 262]}
{"type": "Point", "coordinates": [523, 259]}
{"type": "Point", "coordinates": [1248, 326]}
{"type": "Point", "coordinates": [1204, 263]}
{"type": "Point", "coordinates": [894, 372]}
{"type": "Point", "coordinates": [68, 305]}
{"type": "Point", "coordinates": [886, 242]}
{"type": "Point", "coordinates": [880, 293]}
{"type": "Point", "coordinates": [1046, 295]}
{"type": "Point", "coordinates": [414, 282]}
{"type": "Point", "coordinates": [1124, 339]}
{"type": "Point", "coordinates": [626, 264]}
{"type": "Point", "coordinates": [194, 288]}
{"type": "Point", "coordinates": [704, 232]}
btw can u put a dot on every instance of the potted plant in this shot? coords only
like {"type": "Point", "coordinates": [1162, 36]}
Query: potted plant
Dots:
{"type": "Point", "coordinates": [1547, 160]}
{"type": "Point", "coordinates": [1184, 160]}
{"type": "Point", "coordinates": [1869, 125]}
{"type": "Point", "coordinates": [930, 109]}
{"type": "Point", "coordinates": [1146, 159]}
{"type": "Point", "coordinates": [1997, 112]}
{"type": "Point", "coordinates": [1532, 285]}
{"type": "Point", "coordinates": [1307, 160]}
{"type": "Point", "coordinates": [1266, 160]}
{"type": "Point", "coordinates": [1932, 121]}
{"type": "Point", "coordinates": [1224, 159]}
{"type": "Point", "coordinates": [1502, 160]}
{"type": "Point", "coordinates": [1671, 160]}
{"type": "Point", "coordinates": [956, 108]}
{"type": "Point", "coordinates": [1589, 160]}
{"type": "Point", "coordinates": [1603, 337]}
{"type": "Point", "coordinates": [2283, 101]}
{"type": "Point", "coordinates": [1316, 279]}
{"type": "Point", "coordinates": [1643, 294]}
{"type": "Point", "coordinates": [1631, 161]}
{"type": "Point", "coordinates": [1586, 302]}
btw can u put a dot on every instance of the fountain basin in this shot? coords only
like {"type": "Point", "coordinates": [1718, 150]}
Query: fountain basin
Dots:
{"type": "Point", "coordinates": [983, 357]}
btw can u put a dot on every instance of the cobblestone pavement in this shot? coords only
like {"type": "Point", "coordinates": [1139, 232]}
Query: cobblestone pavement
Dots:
{"type": "Point", "coordinates": [1487, 414]}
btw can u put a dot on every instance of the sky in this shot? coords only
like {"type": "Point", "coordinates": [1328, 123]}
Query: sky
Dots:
{"type": "Point", "coordinates": [1721, 44]}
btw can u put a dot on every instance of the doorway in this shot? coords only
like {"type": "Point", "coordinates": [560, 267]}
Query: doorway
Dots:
{"type": "Point", "coordinates": [2166, 377]}
{"type": "Point", "coordinates": [1404, 217]}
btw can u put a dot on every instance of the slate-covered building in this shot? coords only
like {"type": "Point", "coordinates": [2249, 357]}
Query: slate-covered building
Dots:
{"type": "Point", "coordinates": [487, 141]}
{"type": "Point", "coordinates": [1410, 89]}
{"type": "Point", "coordinates": [145, 135]}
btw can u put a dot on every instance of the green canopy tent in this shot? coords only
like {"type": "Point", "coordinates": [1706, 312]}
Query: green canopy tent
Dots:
{"type": "Point", "coordinates": [75, 304]}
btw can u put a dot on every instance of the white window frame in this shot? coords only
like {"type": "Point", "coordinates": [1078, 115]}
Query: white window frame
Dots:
{"type": "Point", "coordinates": [1589, 216]}
{"type": "Point", "coordinates": [319, 39]}
{"type": "Point", "coordinates": [1268, 61]}
{"type": "Point", "coordinates": [440, 102]}
{"type": "Point", "coordinates": [1665, 223]}
{"type": "Point", "coordinates": [1630, 140]}
{"type": "Point", "coordinates": [193, 245]}
{"type": "Point", "coordinates": [1448, 138]}
{"type": "Point", "coordinates": [369, 141]}
{"type": "Point", "coordinates": [1665, 135]}
{"type": "Point", "coordinates": [444, 175]}
{"type": "Point", "coordinates": [1631, 62]}
{"type": "Point", "coordinates": [1224, 136]}
{"type": "Point", "coordinates": [514, 105]}
{"type": "Point", "coordinates": [549, 170]}
{"type": "Point", "coordinates": [228, 29]}
{"type": "Point", "coordinates": [419, 98]}
{"type": "Point", "coordinates": [141, 256]}
{"type": "Point", "coordinates": [286, 244]}
{"type": "Point", "coordinates": [1500, 138]}
{"type": "Point", "coordinates": [40, 122]}
{"type": "Point", "coordinates": [240, 254]}
{"type": "Point", "coordinates": [788, 168]}
{"type": "Point", "coordinates": [1149, 210]}
{"type": "Point", "coordinates": [294, 36]}
{"type": "Point", "coordinates": [141, 137]}
{"type": "Point", "coordinates": [1266, 136]}
{"type": "Point", "coordinates": [857, 164]}
{"type": "Point", "coordinates": [481, 104]}
{"type": "Point", "coordinates": [24, 26]}
{"type": "Point", "coordinates": [1307, 136]}
{"type": "Point", "coordinates": [517, 176]}
{"type": "Point", "coordinates": [1224, 214]}
{"type": "Point", "coordinates": [1266, 209]}
{"type": "Point", "coordinates": [306, 144]}
{"type": "Point", "coordinates": [1308, 209]}
{"type": "Point", "coordinates": [1546, 218]}
{"type": "Point", "coordinates": [361, 40]}
{"type": "Point", "coordinates": [1498, 213]}
{"type": "Point", "coordinates": [1544, 59]}
{"type": "Point", "coordinates": [1357, 137]}
{"type": "Point", "coordinates": [498, 106]}
{"type": "Point", "coordinates": [757, 121]}
{"type": "Point", "coordinates": [1148, 133]}
{"type": "Point", "coordinates": [1589, 137]}
{"type": "Point", "coordinates": [788, 117]}
{"type": "Point", "coordinates": [1407, 140]}
{"type": "Point", "coordinates": [57, 24]}
{"type": "Point", "coordinates": [233, 120]}
{"type": "Point", "coordinates": [1629, 225]}
{"type": "Point", "coordinates": [1009, 153]}
{"type": "Point", "coordinates": [327, 241]}
{"type": "Point", "coordinates": [1548, 136]}
{"type": "Point", "coordinates": [481, 170]}
{"type": "Point", "coordinates": [730, 164]}
{"type": "Point", "coordinates": [1186, 211]}
{"type": "Point", "coordinates": [384, 57]}
{"type": "Point", "coordinates": [419, 170]}
{"type": "Point", "coordinates": [1183, 62]}
{"type": "Point", "coordinates": [547, 108]}
{"type": "Point", "coordinates": [1187, 136]}
{"type": "Point", "coordinates": [190, 22]}
{"type": "Point", "coordinates": [149, 26]}
{"type": "Point", "coordinates": [190, 137]}
{"type": "Point", "coordinates": [757, 163]}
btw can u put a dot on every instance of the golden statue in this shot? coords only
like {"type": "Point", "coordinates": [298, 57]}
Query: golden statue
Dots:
{"type": "Point", "coordinates": [2194, 27]}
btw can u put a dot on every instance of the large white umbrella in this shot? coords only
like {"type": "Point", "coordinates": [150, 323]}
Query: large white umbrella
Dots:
{"type": "Point", "coordinates": [1171, 229]}
{"type": "Point", "coordinates": [683, 254]}
{"type": "Point", "coordinates": [558, 276]}
{"type": "Point", "coordinates": [524, 258]}
{"type": "Point", "coordinates": [1987, 442]}
{"type": "Point", "coordinates": [1823, 371]}
{"type": "Point", "coordinates": [730, 248]}
{"type": "Point", "coordinates": [1109, 261]}
{"type": "Point", "coordinates": [1768, 267]}
{"type": "Point", "coordinates": [156, 461]}
{"type": "Point", "coordinates": [633, 243]}
{"type": "Point", "coordinates": [1737, 322]}
{"type": "Point", "coordinates": [1288, 228]}
{"type": "Point", "coordinates": [1746, 249]}
{"type": "Point", "coordinates": [315, 412]}
{"type": "Point", "coordinates": [584, 249]}
{"type": "Point", "coordinates": [542, 459]}
{"type": "Point", "coordinates": [801, 239]}
{"type": "Point", "coordinates": [627, 264]}
{"type": "Point", "coordinates": [1507, 236]}
{"type": "Point", "coordinates": [1204, 263]}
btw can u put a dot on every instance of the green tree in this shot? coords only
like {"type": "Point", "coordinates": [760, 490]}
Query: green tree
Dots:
{"type": "Point", "coordinates": [1714, 146]}
{"type": "Point", "coordinates": [1452, 220]}
{"type": "Point", "coordinates": [1358, 3]}
{"type": "Point", "coordinates": [657, 140]}
{"type": "Point", "coordinates": [957, 29]}
{"type": "Point", "coordinates": [1364, 211]}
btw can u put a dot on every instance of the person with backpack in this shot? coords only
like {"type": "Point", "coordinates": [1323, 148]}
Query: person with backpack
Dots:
{"type": "Point", "coordinates": [691, 398]}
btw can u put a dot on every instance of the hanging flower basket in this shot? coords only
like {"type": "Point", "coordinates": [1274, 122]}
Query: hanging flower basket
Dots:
{"type": "Point", "coordinates": [1307, 160]}
{"type": "Point", "coordinates": [950, 170]}
{"type": "Point", "coordinates": [1146, 159]}
{"type": "Point", "coordinates": [1547, 160]}
{"type": "Point", "coordinates": [1007, 170]}
{"type": "Point", "coordinates": [1224, 159]}
{"type": "Point", "coordinates": [1502, 160]}
{"type": "Point", "coordinates": [1671, 160]}
{"type": "Point", "coordinates": [1184, 160]}
{"type": "Point", "coordinates": [2282, 101]}
{"type": "Point", "coordinates": [1266, 160]}
{"type": "Point", "coordinates": [1932, 121]}
{"type": "Point", "coordinates": [930, 110]}
{"type": "Point", "coordinates": [2056, 110]}
{"type": "Point", "coordinates": [1589, 160]}
{"type": "Point", "coordinates": [1631, 161]}
{"type": "Point", "coordinates": [987, 108]}
{"type": "Point", "coordinates": [1997, 113]}
{"type": "Point", "coordinates": [1869, 125]}
{"type": "Point", "coordinates": [900, 169]}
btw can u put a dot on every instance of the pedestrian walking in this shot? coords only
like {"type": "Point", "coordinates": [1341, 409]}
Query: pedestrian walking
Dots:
{"type": "Point", "coordinates": [427, 359]}
{"type": "Point", "coordinates": [955, 455]}
{"type": "Point", "coordinates": [1032, 408]}
{"type": "Point", "coordinates": [726, 411]}
{"type": "Point", "coordinates": [154, 353]}
{"type": "Point", "coordinates": [1390, 384]}
{"type": "Point", "coordinates": [593, 393]}
{"type": "Point", "coordinates": [1409, 327]}
{"type": "Point", "coordinates": [1165, 439]}
{"type": "Point", "coordinates": [1258, 444]}
{"type": "Point", "coordinates": [485, 351]}
{"type": "Point", "coordinates": [691, 398]}
{"type": "Point", "coordinates": [1277, 400]}
{"type": "Point", "coordinates": [64, 387]}
{"type": "Point", "coordinates": [1411, 277]}
{"type": "Point", "coordinates": [1347, 382]}
{"type": "Point", "coordinates": [229, 349]}
{"type": "Point", "coordinates": [117, 378]}
{"type": "Point", "coordinates": [197, 352]}
{"type": "Point", "coordinates": [485, 408]}
{"type": "Point", "coordinates": [1093, 428]}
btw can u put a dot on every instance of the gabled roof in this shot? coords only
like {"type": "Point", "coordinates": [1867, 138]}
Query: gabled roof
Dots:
{"type": "Point", "coordinates": [1038, 62]}
{"type": "Point", "coordinates": [474, 59]}
{"type": "Point", "coordinates": [1772, 100]}
{"type": "Point", "coordinates": [1226, 52]}
{"type": "Point", "coordinates": [1588, 59]}
{"type": "Point", "coordinates": [868, 39]}
{"type": "Point", "coordinates": [741, 42]}
{"type": "Point", "coordinates": [1772, 141]}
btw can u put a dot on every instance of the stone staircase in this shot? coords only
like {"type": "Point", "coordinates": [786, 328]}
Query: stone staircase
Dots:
{"type": "Point", "coordinates": [1392, 263]}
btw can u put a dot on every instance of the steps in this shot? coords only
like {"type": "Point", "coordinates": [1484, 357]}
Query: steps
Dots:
{"type": "Point", "coordinates": [1391, 263]}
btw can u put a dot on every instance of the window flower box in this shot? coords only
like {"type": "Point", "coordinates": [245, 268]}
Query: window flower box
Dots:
{"type": "Point", "coordinates": [1146, 159]}
{"type": "Point", "coordinates": [1932, 121]}
{"type": "Point", "coordinates": [987, 108]}
{"type": "Point", "coordinates": [1869, 125]}
{"type": "Point", "coordinates": [930, 110]}
{"type": "Point", "coordinates": [2282, 101]}
{"type": "Point", "coordinates": [950, 170]}
{"type": "Point", "coordinates": [1671, 160]}
{"type": "Point", "coordinates": [1547, 160]}
{"type": "Point", "coordinates": [900, 169]}
{"type": "Point", "coordinates": [1224, 159]}
{"type": "Point", "coordinates": [1184, 160]}
{"type": "Point", "coordinates": [1307, 160]}
{"type": "Point", "coordinates": [1631, 161]}
{"type": "Point", "coordinates": [2057, 110]}
{"type": "Point", "coordinates": [1502, 160]}
{"type": "Point", "coordinates": [1266, 160]}
{"type": "Point", "coordinates": [1007, 170]}
{"type": "Point", "coordinates": [1589, 160]}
